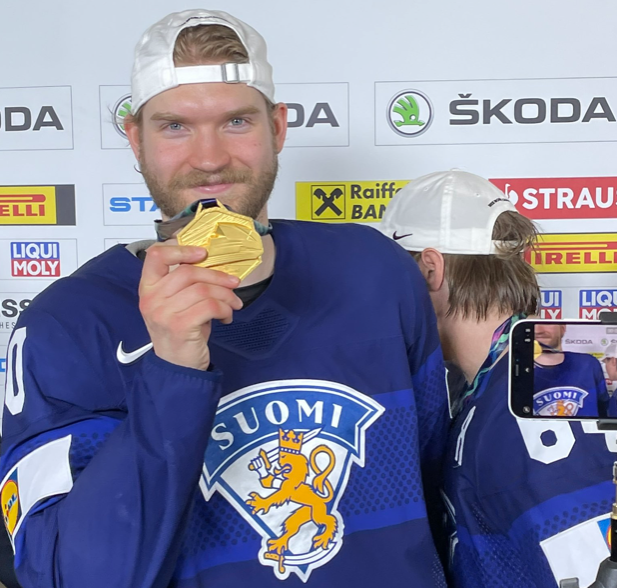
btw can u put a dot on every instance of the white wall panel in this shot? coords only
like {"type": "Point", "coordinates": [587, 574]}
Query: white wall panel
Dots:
{"type": "Point", "coordinates": [340, 66]}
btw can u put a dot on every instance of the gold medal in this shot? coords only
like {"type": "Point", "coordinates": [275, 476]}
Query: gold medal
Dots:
{"type": "Point", "coordinates": [233, 244]}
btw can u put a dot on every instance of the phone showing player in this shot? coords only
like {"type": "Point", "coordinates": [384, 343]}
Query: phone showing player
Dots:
{"type": "Point", "coordinates": [563, 369]}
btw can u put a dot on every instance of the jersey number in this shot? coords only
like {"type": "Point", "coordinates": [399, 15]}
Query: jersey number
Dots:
{"type": "Point", "coordinates": [14, 395]}
{"type": "Point", "coordinates": [549, 442]}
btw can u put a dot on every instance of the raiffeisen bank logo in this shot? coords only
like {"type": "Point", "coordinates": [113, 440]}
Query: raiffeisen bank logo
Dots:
{"type": "Point", "coordinates": [343, 202]}
{"type": "Point", "coordinates": [122, 108]}
{"type": "Point", "coordinates": [410, 113]}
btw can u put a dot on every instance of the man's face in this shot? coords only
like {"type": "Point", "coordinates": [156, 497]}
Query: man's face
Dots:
{"type": "Point", "coordinates": [550, 335]}
{"type": "Point", "coordinates": [209, 140]}
{"type": "Point", "coordinates": [611, 367]}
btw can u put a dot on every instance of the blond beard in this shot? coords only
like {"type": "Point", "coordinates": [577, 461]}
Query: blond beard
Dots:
{"type": "Point", "coordinates": [169, 200]}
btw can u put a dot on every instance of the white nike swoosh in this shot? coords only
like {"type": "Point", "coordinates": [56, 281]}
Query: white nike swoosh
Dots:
{"type": "Point", "coordinates": [132, 356]}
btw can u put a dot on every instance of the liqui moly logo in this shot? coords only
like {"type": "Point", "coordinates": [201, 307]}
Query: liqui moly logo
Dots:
{"type": "Point", "coordinates": [551, 304]}
{"type": "Point", "coordinates": [40, 259]}
{"type": "Point", "coordinates": [592, 302]}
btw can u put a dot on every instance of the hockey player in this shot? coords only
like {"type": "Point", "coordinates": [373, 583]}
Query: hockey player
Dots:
{"type": "Point", "coordinates": [528, 500]}
{"type": "Point", "coordinates": [609, 359]}
{"type": "Point", "coordinates": [556, 371]}
{"type": "Point", "coordinates": [610, 362]}
{"type": "Point", "coordinates": [149, 441]}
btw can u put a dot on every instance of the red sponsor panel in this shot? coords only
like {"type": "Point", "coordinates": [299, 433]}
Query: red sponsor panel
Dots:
{"type": "Point", "coordinates": [593, 314]}
{"type": "Point", "coordinates": [557, 198]}
{"type": "Point", "coordinates": [39, 268]}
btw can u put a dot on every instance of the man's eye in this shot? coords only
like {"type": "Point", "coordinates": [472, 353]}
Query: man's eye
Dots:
{"type": "Point", "coordinates": [174, 126]}
{"type": "Point", "coordinates": [236, 122]}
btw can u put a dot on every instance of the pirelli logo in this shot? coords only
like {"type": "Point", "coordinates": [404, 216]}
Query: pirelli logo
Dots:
{"type": "Point", "coordinates": [37, 205]}
{"type": "Point", "coordinates": [343, 202]}
{"type": "Point", "coordinates": [574, 253]}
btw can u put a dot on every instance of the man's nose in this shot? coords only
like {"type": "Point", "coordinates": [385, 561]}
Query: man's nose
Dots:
{"type": "Point", "coordinates": [209, 151]}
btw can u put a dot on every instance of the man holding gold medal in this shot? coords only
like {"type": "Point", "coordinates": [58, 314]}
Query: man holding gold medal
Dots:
{"type": "Point", "coordinates": [240, 402]}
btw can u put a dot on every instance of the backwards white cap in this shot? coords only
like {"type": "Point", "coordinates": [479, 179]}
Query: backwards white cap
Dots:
{"type": "Point", "coordinates": [610, 351]}
{"type": "Point", "coordinates": [154, 70]}
{"type": "Point", "coordinates": [453, 212]}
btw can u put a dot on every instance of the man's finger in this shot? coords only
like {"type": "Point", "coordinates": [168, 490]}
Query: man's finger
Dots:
{"type": "Point", "coordinates": [196, 293]}
{"type": "Point", "coordinates": [187, 275]}
{"type": "Point", "coordinates": [203, 312]}
{"type": "Point", "coordinates": [160, 257]}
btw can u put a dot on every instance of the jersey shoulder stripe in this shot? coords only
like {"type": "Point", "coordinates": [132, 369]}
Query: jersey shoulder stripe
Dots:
{"type": "Point", "coordinates": [39, 475]}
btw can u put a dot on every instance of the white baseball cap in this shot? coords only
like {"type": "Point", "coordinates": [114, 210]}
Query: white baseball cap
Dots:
{"type": "Point", "coordinates": [453, 212]}
{"type": "Point", "coordinates": [154, 70]}
{"type": "Point", "coordinates": [610, 351]}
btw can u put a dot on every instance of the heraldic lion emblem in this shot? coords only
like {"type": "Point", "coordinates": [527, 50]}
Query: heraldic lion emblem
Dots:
{"type": "Point", "coordinates": [289, 479]}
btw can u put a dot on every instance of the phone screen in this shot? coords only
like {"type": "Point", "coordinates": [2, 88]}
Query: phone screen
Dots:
{"type": "Point", "coordinates": [563, 369]}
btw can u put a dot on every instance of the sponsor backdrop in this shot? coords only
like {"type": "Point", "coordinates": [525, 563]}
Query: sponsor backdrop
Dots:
{"type": "Point", "coordinates": [523, 93]}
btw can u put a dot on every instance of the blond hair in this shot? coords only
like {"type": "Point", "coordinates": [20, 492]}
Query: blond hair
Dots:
{"type": "Point", "coordinates": [209, 44]}
{"type": "Point", "coordinates": [502, 282]}
{"type": "Point", "coordinates": [202, 45]}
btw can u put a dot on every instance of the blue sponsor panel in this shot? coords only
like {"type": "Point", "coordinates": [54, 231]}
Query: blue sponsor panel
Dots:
{"type": "Point", "coordinates": [592, 302]}
{"type": "Point", "coordinates": [132, 203]}
{"type": "Point", "coordinates": [551, 304]}
{"type": "Point", "coordinates": [35, 259]}
{"type": "Point", "coordinates": [128, 204]}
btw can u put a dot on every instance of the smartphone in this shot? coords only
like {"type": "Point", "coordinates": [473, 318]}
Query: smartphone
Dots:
{"type": "Point", "coordinates": [563, 369]}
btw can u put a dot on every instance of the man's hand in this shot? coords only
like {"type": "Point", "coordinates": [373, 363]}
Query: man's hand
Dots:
{"type": "Point", "coordinates": [178, 306]}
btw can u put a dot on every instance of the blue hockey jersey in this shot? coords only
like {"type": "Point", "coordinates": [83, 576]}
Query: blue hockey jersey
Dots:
{"type": "Point", "coordinates": [528, 499]}
{"type": "Point", "coordinates": [574, 387]}
{"type": "Point", "coordinates": [300, 459]}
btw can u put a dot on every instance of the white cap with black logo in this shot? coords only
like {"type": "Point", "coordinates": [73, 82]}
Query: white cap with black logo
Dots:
{"type": "Point", "coordinates": [154, 70]}
{"type": "Point", "coordinates": [610, 351]}
{"type": "Point", "coordinates": [453, 212]}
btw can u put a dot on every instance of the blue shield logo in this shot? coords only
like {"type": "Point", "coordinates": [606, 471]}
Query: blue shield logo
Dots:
{"type": "Point", "coordinates": [281, 453]}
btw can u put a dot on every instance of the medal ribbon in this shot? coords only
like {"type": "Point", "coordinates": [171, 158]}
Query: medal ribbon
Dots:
{"type": "Point", "coordinates": [499, 342]}
{"type": "Point", "coordinates": [166, 229]}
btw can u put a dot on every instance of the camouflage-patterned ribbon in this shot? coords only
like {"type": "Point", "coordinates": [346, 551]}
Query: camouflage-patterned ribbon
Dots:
{"type": "Point", "coordinates": [167, 229]}
{"type": "Point", "coordinates": [499, 342]}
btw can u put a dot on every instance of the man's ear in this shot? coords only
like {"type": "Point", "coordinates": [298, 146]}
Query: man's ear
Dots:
{"type": "Point", "coordinates": [133, 135]}
{"type": "Point", "coordinates": [433, 267]}
{"type": "Point", "coordinates": [279, 120]}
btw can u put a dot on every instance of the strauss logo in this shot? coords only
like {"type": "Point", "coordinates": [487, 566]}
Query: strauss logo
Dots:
{"type": "Point", "coordinates": [511, 195]}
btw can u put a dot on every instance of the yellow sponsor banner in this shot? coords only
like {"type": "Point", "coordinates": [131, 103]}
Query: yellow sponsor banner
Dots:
{"type": "Point", "coordinates": [567, 253]}
{"type": "Point", "coordinates": [343, 202]}
{"type": "Point", "coordinates": [28, 205]}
